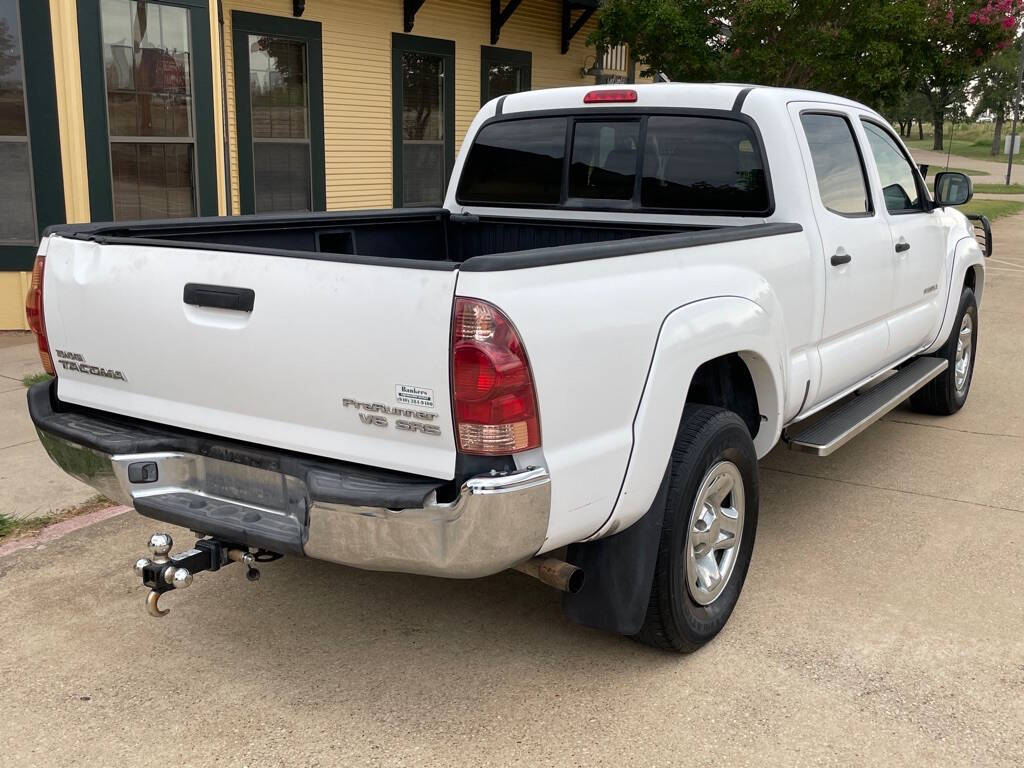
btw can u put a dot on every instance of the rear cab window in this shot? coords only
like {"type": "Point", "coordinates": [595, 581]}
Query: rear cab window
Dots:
{"type": "Point", "coordinates": [838, 166]}
{"type": "Point", "coordinates": [662, 163]}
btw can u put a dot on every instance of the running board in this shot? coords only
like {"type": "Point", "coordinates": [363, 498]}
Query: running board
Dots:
{"type": "Point", "coordinates": [849, 420]}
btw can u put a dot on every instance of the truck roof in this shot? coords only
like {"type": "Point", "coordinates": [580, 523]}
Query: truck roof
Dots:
{"type": "Point", "coordinates": [689, 95]}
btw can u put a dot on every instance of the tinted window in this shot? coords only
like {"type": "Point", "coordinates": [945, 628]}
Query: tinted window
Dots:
{"type": "Point", "coordinates": [837, 164]}
{"type": "Point", "coordinates": [899, 187]}
{"type": "Point", "coordinates": [604, 160]}
{"type": "Point", "coordinates": [516, 161]}
{"type": "Point", "coordinates": [700, 163]}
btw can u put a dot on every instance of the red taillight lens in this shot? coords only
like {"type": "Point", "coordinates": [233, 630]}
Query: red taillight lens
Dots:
{"type": "Point", "coordinates": [492, 387]}
{"type": "Point", "coordinates": [34, 314]}
{"type": "Point", "coordinates": [605, 96]}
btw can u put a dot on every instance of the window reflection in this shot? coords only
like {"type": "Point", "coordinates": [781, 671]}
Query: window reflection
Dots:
{"type": "Point", "coordinates": [148, 70]}
{"type": "Point", "coordinates": [17, 211]}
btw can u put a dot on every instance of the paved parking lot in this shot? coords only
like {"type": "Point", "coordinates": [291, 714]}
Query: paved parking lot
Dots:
{"type": "Point", "coordinates": [882, 624]}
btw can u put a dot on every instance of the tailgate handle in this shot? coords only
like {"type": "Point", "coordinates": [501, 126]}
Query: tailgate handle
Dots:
{"type": "Point", "coordinates": [219, 296]}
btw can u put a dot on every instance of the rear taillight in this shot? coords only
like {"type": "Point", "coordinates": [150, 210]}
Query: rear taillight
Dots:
{"type": "Point", "coordinates": [492, 387]}
{"type": "Point", "coordinates": [34, 314]}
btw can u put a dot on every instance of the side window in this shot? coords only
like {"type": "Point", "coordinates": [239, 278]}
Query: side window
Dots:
{"type": "Point", "coordinates": [837, 164]}
{"type": "Point", "coordinates": [899, 187]}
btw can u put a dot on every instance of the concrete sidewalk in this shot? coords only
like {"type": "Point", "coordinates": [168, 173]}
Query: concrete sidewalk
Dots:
{"type": "Point", "coordinates": [30, 484]}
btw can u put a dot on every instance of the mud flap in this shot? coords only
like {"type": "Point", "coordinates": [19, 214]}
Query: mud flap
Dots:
{"type": "Point", "coordinates": [620, 570]}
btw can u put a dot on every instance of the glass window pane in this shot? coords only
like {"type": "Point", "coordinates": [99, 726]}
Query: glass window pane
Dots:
{"type": "Point", "coordinates": [517, 162]}
{"type": "Point", "coordinates": [152, 181]}
{"type": "Point", "coordinates": [423, 140]}
{"type": "Point", "coordinates": [422, 89]}
{"type": "Point", "coordinates": [17, 202]}
{"type": "Point", "coordinates": [422, 173]}
{"type": "Point", "coordinates": [899, 187]}
{"type": "Point", "coordinates": [282, 176]}
{"type": "Point", "coordinates": [837, 164]}
{"type": "Point", "coordinates": [604, 160]}
{"type": "Point", "coordinates": [277, 88]}
{"type": "Point", "coordinates": [17, 223]}
{"type": "Point", "coordinates": [503, 79]}
{"type": "Point", "coordinates": [703, 164]}
{"type": "Point", "coordinates": [12, 84]}
{"type": "Point", "coordinates": [147, 58]}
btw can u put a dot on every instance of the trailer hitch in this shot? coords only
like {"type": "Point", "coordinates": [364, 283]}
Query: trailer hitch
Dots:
{"type": "Point", "coordinates": [162, 571]}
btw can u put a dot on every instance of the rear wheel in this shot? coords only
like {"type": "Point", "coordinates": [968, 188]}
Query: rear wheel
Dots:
{"type": "Point", "coordinates": [708, 531]}
{"type": "Point", "coordinates": [947, 392]}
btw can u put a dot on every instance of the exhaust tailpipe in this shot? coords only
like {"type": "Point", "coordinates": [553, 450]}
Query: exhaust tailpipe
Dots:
{"type": "Point", "coordinates": [554, 572]}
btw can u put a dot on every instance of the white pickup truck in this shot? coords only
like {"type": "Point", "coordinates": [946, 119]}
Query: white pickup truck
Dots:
{"type": "Point", "coordinates": [572, 368]}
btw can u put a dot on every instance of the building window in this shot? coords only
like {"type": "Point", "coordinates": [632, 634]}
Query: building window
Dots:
{"type": "Point", "coordinates": [279, 104]}
{"type": "Point", "coordinates": [147, 104]}
{"type": "Point", "coordinates": [280, 120]}
{"type": "Point", "coordinates": [18, 222]}
{"type": "Point", "coordinates": [31, 175]}
{"type": "Point", "coordinates": [423, 83]}
{"type": "Point", "coordinates": [147, 62]}
{"type": "Point", "coordinates": [503, 71]}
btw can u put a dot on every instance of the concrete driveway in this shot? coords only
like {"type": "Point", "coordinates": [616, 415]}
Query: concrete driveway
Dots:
{"type": "Point", "coordinates": [882, 624]}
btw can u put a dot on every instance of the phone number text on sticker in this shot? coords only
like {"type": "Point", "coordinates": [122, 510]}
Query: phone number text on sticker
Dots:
{"type": "Point", "coordinates": [421, 397]}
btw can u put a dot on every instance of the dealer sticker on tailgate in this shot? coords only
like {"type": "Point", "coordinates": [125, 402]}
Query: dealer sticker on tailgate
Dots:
{"type": "Point", "coordinates": [420, 397]}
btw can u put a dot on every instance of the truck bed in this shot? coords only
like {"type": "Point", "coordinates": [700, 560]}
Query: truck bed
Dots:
{"type": "Point", "coordinates": [403, 237]}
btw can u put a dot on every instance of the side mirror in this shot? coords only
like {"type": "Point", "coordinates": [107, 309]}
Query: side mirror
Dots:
{"type": "Point", "coordinates": [952, 188]}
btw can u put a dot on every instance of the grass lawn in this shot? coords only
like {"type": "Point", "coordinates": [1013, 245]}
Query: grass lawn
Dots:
{"type": "Point", "coordinates": [12, 527]}
{"type": "Point", "coordinates": [971, 140]}
{"type": "Point", "coordinates": [934, 169]}
{"type": "Point", "coordinates": [993, 209]}
{"type": "Point", "coordinates": [1000, 189]}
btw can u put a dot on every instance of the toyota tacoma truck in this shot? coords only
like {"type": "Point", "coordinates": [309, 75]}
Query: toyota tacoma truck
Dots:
{"type": "Point", "coordinates": [630, 295]}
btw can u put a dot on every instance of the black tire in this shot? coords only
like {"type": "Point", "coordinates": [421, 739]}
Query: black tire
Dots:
{"type": "Point", "coordinates": [940, 396]}
{"type": "Point", "coordinates": [674, 620]}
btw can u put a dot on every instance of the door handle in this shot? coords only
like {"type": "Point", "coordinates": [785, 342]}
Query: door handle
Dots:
{"type": "Point", "coordinates": [839, 258]}
{"type": "Point", "coordinates": [902, 247]}
{"type": "Point", "coordinates": [219, 296]}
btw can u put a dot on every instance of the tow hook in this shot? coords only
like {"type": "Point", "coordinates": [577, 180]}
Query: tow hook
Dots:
{"type": "Point", "coordinates": [162, 571]}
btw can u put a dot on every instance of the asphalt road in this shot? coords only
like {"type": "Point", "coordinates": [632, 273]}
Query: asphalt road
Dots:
{"type": "Point", "coordinates": [882, 624]}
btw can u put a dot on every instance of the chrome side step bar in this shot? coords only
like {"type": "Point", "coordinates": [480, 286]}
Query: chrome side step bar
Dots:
{"type": "Point", "coordinates": [849, 420]}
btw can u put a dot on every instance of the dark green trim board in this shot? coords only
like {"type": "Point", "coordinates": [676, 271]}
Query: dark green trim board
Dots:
{"type": "Point", "coordinates": [94, 107]}
{"type": "Point", "coordinates": [491, 55]}
{"type": "Point", "coordinates": [43, 129]}
{"type": "Point", "coordinates": [413, 43]}
{"type": "Point", "coordinates": [245, 24]}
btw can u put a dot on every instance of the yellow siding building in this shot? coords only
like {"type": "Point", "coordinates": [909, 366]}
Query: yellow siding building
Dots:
{"type": "Point", "coordinates": [132, 109]}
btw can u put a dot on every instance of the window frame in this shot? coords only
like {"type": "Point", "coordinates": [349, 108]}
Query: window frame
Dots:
{"type": "Point", "coordinates": [94, 109]}
{"type": "Point", "coordinates": [633, 205]}
{"type": "Point", "coordinates": [433, 46]}
{"type": "Point", "coordinates": [310, 33]}
{"type": "Point", "coordinates": [41, 129]}
{"type": "Point", "coordinates": [869, 186]}
{"type": "Point", "coordinates": [924, 199]}
{"type": "Point", "coordinates": [490, 54]}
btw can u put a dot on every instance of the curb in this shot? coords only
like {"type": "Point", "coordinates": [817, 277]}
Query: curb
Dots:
{"type": "Point", "coordinates": [61, 529]}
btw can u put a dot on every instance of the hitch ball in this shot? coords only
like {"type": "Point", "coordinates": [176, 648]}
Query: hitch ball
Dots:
{"type": "Point", "coordinates": [140, 566]}
{"type": "Point", "coordinates": [159, 546]}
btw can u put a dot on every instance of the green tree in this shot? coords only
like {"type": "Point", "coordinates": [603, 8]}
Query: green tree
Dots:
{"type": "Point", "coordinates": [869, 50]}
{"type": "Point", "coordinates": [995, 90]}
{"type": "Point", "coordinates": [959, 38]}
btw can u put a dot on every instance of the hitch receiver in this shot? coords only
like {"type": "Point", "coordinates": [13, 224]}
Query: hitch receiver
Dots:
{"type": "Point", "coordinates": [162, 571]}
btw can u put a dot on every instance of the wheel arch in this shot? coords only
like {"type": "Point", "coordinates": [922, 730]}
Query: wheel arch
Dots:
{"type": "Point", "coordinates": [698, 342]}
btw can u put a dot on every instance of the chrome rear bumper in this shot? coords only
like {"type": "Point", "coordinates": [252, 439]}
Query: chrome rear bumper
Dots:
{"type": "Point", "coordinates": [496, 521]}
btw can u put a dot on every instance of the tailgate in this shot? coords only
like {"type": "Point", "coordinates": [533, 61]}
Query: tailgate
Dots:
{"type": "Point", "coordinates": [336, 359]}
